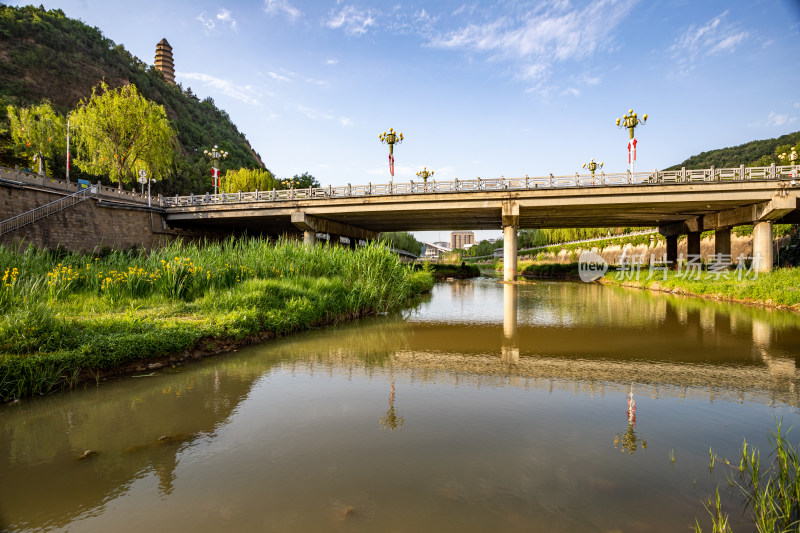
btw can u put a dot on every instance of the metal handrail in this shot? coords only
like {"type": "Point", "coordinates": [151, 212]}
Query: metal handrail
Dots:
{"type": "Point", "coordinates": [601, 179]}
{"type": "Point", "coordinates": [29, 217]}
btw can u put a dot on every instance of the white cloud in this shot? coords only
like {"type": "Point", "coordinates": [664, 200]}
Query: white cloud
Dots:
{"type": "Point", "coordinates": [534, 41]}
{"type": "Point", "coordinates": [277, 77]}
{"type": "Point", "coordinates": [311, 113]}
{"type": "Point", "coordinates": [344, 121]}
{"type": "Point", "coordinates": [244, 93]}
{"type": "Point", "coordinates": [282, 6]}
{"type": "Point", "coordinates": [778, 119]}
{"type": "Point", "coordinates": [716, 36]}
{"type": "Point", "coordinates": [225, 17]}
{"type": "Point", "coordinates": [207, 22]}
{"type": "Point", "coordinates": [353, 20]}
{"type": "Point", "coordinates": [332, 61]}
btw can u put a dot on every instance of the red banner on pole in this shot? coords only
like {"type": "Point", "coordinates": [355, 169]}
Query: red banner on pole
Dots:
{"type": "Point", "coordinates": [632, 150]}
{"type": "Point", "coordinates": [391, 165]}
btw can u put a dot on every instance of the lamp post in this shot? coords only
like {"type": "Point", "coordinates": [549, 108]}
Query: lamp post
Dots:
{"type": "Point", "coordinates": [630, 121]}
{"type": "Point", "coordinates": [592, 166]}
{"type": "Point", "coordinates": [391, 139]}
{"type": "Point", "coordinates": [425, 174]}
{"type": "Point", "coordinates": [215, 154]}
{"type": "Point", "coordinates": [792, 157]}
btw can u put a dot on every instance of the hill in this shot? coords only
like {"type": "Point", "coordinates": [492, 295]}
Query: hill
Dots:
{"type": "Point", "coordinates": [754, 153]}
{"type": "Point", "coordinates": [46, 55]}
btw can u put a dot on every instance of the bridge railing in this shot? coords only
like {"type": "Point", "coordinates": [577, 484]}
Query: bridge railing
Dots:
{"type": "Point", "coordinates": [600, 179]}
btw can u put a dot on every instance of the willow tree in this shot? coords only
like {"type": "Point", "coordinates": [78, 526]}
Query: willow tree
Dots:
{"type": "Point", "coordinates": [38, 132]}
{"type": "Point", "coordinates": [246, 179]}
{"type": "Point", "coordinates": [119, 132]}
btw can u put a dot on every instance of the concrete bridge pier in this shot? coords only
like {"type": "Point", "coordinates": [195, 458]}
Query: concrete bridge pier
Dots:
{"type": "Point", "coordinates": [762, 246]}
{"type": "Point", "coordinates": [693, 243]}
{"type": "Point", "coordinates": [311, 225]}
{"type": "Point", "coordinates": [510, 224]}
{"type": "Point", "coordinates": [672, 250]}
{"type": "Point", "coordinates": [722, 241]}
{"type": "Point", "coordinates": [309, 238]}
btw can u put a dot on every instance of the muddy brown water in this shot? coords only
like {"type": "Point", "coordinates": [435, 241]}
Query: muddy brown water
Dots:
{"type": "Point", "coordinates": [550, 406]}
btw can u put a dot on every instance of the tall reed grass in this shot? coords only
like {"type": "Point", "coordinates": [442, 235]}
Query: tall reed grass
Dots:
{"type": "Point", "coordinates": [770, 490]}
{"type": "Point", "coordinates": [63, 314]}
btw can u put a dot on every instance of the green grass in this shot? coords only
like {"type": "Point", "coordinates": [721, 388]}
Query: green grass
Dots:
{"type": "Point", "coordinates": [444, 271]}
{"type": "Point", "coordinates": [781, 286]}
{"type": "Point", "coordinates": [63, 316]}
{"type": "Point", "coordinates": [550, 270]}
{"type": "Point", "coordinates": [770, 491]}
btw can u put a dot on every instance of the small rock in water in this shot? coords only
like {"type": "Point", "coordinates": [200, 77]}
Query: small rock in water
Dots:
{"type": "Point", "coordinates": [86, 454]}
{"type": "Point", "coordinates": [178, 437]}
{"type": "Point", "coordinates": [349, 511]}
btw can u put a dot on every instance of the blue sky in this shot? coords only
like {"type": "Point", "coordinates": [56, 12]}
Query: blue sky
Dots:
{"type": "Point", "coordinates": [489, 89]}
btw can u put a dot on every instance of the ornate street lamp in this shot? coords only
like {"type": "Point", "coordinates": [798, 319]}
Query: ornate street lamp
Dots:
{"type": "Point", "coordinates": [630, 121]}
{"type": "Point", "coordinates": [592, 166]}
{"type": "Point", "coordinates": [391, 139]}
{"type": "Point", "coordinates": [425, 174]}
{"type": "Point", "coordinates": [215, 154]}
{"type": "Point", "coordinates": [791, 157]}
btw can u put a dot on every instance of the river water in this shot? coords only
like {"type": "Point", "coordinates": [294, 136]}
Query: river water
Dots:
{"type": "Point", "coordinates": [548, 406]}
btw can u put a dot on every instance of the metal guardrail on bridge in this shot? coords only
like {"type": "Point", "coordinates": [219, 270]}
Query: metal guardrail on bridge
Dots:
{"type": "Point", "coordinates": [29, 217]}
{"type": "Point", "coordinates": [601, 179]}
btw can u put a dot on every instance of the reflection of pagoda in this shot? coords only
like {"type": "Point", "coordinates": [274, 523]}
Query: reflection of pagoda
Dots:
{"type": "Point", "coordinates": [164, 61]}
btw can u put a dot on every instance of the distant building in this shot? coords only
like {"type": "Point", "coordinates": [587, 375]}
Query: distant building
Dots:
{"type": "Point", "coordinates": [433, 250]}
{"type": "Point", "coordinates": [164, 61]}
{"type": "Point", "coordinates": [442, 244]}
{"type": "Point", "coordinates": [459, 239]}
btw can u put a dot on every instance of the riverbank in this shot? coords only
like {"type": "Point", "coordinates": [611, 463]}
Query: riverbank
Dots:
{"type": "Point", "coordinates": [779, 288]}
{"type": "Point", "coordinates": [68, 318]}
{"type": "Point", "coordinates": [443, 271]}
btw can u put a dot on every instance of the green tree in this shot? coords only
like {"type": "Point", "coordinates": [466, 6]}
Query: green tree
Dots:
{"type": "Point", "coordinates": [119, 132]}
{"type": "Point", "coordinates": [484, 248]}
{"type": "Point", "coordinates": [38, 132]}
{"type": "Point", "coordinates": [247, 179]}
{"type": "Point", "coordinates": [402, 240]}
{"type": "Point", "coordinates": [302, 181]}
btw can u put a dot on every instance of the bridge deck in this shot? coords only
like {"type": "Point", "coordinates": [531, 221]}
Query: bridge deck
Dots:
{"type": "Point", "coordinates": [596, 206]}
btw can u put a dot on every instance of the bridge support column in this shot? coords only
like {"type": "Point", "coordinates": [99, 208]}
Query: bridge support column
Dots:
{"type": "Point", "coordinates": [693, 244]}
{"type": "Point", "coordinates": [309, 238]}
{"type": "Point", "coordinates": [672, 250]}
{"type": "Point", "coordinates": [762, 246]}
{"type": "Point", "coordinates": [510, 225]}
{"type": "Point", "coordinates": [311, 225]}
{"type": "Point", "coordinates": [722, 241]}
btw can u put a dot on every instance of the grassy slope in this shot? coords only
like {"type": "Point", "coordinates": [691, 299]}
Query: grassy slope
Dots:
{"type": "Point", "coordinates": [46, 55]}
{"type": "Point", "coordinates": [780, 287]}
{"type": "Point", "coordinates": [63, 317]}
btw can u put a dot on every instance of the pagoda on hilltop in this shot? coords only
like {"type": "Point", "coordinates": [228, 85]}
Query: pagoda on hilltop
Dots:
{"type": "Point", "coordinates": [164, 61]}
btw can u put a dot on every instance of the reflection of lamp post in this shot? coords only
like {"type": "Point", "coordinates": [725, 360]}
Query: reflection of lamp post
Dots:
{"type": "Point", "coordinates": [391, 139]}
{"type": "Point", "coordinates": [630, 121]}
{"type": "Point", "coordinates": [629, 440]}
{"type": "Point", "coordinates": [215, 154]}
{"type": "Point", "coordinates": [391, 420]}
{"type": "Point", "coordinates": [592, 166]}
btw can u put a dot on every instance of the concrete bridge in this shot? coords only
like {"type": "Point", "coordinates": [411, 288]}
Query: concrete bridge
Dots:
{"type": "Point", "coordinates": [681, 202]}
